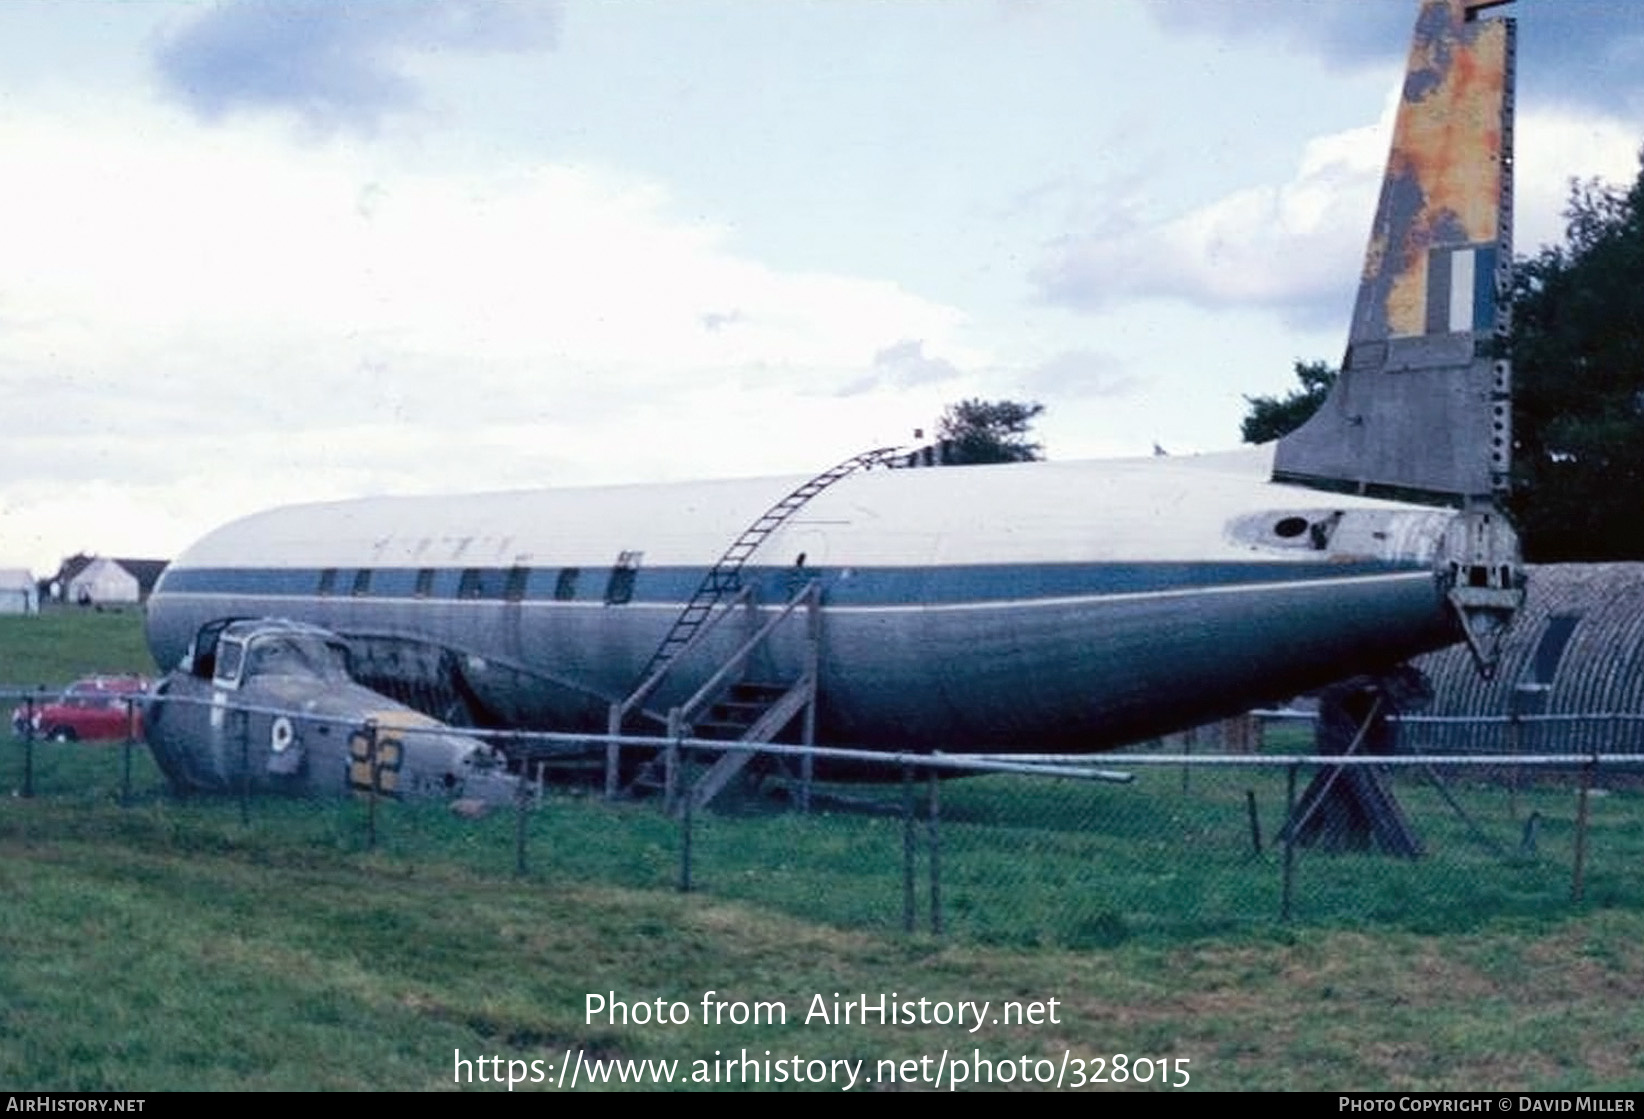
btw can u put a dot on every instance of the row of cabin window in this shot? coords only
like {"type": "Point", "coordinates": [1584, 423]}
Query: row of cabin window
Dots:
{"type": "Point", "coordinates": [507, 584]}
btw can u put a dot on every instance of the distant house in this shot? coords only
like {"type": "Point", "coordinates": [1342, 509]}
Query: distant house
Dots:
{"type": "Point", "coordinates": [18, 594]}
{"type": "Point", "coordinates": [102, 582]}
{"type": "Point", "coordinates": [114, 580]}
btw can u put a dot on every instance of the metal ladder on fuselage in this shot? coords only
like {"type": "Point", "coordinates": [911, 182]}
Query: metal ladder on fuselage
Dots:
{"type": "Point", "coordinates": [725, 576]}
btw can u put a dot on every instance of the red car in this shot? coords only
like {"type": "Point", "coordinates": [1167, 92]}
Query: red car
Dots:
{"type": "Point", "coordinates": [93, 708]}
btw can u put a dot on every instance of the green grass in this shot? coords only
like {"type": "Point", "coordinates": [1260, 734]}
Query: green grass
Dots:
{"type": "Point", "coordinates": [61, 643]}
{"type": "Point", "coordinates": [1022, 862]}
{"type": "Point", "coordinates": [164, 944]}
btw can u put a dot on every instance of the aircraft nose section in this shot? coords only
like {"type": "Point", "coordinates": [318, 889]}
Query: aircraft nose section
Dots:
{"type": "Point", "coordinates": [490, 783]}
{"type": "Point", "coordinates": [435, 760]}
{"type": "Point", "coordinates": [481, 772]}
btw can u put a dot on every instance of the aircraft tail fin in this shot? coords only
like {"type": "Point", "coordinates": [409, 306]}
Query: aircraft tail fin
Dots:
{"type": "Point", "coordinates": [1421, 410]}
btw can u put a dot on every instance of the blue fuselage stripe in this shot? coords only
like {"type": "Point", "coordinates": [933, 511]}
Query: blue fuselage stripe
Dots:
{"type": "Point", "coordinates": [844, 586]}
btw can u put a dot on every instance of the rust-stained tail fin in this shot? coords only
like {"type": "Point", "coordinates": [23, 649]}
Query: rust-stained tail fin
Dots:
{"type": "Point", "coordinates": [1421, 410]}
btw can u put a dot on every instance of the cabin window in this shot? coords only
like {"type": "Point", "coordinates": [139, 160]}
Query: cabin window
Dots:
{"type": "Point", "coordinates": [425, 582]}
{"type": "Point", "coordinates": [514, 591]}
{"type": "Point", "coordinates": [362, 582]}
{"type": "Point", "coordinates": [620, 587]}
{"type": "Point", "coordinates": [483, 582]}
{"type": "Point", "coordinates": [565, 587]}
{"type": "Point", "coordinates": [328, 581]}
{"type": "Point", "coordinates": [392, 582]}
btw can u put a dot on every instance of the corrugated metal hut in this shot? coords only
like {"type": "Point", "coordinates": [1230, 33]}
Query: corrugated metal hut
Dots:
{"type": "Point", "coordinates": [1577, 648]}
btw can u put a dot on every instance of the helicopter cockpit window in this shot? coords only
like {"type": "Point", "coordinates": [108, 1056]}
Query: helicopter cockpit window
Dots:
{"type": "Point", "coordinates": [230, 655]}
{"type": "Point", "coordinates": [287, 655]}
{"type": "Point", "coordinates": [201, 658]}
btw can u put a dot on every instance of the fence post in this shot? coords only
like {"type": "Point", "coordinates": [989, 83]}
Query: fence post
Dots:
{"type": "Point", "coordinates": [1578, 884]}
{"type": "Point", "coordinates": [1188, 738]}
{"type": "Point", "coordinates": [125, 752]}
{"type": "Point", "coordinates": [613, 750]}
{"type": "Point", "coordinates": [1255, 821]}
{"type": "Point", "coordinates": [1289, 841]}
{"type": "Point", "coordinates": [28, 746]}
{"type": "Point", "coordinates": [671, 760]}
{"type": "Point", "coordinates": [245, 768]}
{"type": "Point", "coordinates": [1515, 747]}
{"type": "Point", "coordinates": [933, 824]}
{"type": "Point", "coordinates": [371, 789]}
{"type": "Point", "coordinates": [813, 645]}
{"type": "Point", "coordinates": [685, 845]}
{"type": "Point", "coordinates": [907, 849]}
{"type": "Point", "coordinates": [522, 791]}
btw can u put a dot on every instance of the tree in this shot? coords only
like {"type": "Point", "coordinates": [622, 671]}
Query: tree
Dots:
{"type": "Point", "coordinates": [1270, 417]}
{"type": "Point", "coordinates": [1578, 393]}
{"type": "Point", "coordinates": [983, 431]}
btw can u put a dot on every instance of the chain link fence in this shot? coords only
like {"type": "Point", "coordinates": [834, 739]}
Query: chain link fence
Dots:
{"type": "Point", "coordinates": [1076, 852]}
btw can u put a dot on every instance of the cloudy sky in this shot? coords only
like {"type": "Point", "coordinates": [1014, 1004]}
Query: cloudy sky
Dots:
{"type": "Point", "coordinates": [279, 250]}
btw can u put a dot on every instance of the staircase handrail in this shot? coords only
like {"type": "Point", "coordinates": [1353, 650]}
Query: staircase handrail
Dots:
{"type": "Point", "coordinates": [687, 711]}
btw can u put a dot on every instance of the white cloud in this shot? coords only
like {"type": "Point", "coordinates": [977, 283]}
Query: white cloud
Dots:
{"type": "Point", "coordinates": [1073, 374]}
{"type": "Point", "coordinates": [1279, 245]}
{"type": "Point", "coordinates": [160, 235]}
{"type": "Point", "coordinates": [199, 309]}
{"type": "Point", "coordinates": [1554, 146]}
{"type": "Point", "coordinates": [1296, 247]}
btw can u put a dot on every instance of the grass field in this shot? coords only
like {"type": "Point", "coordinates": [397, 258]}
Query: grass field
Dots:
{"type": "Point", "coordinates": [166, 945]}
{"type": "Point", "coordinates": [63, 642]}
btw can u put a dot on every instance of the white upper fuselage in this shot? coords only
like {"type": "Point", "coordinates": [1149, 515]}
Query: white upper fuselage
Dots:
{"type": "Point", "coordinates": [1157, 510]}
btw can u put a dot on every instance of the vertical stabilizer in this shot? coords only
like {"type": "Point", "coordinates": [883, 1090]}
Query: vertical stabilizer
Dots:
{"type": "Point", "coordinates": [1421, 410]}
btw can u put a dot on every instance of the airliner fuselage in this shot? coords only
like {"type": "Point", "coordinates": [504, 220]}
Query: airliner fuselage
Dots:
{"type": "Point", "coordinates": [1035, 606]}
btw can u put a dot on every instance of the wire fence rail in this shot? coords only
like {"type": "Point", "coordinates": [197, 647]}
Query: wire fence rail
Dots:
{"type": "Point", "coordinates": [1025, 850]}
